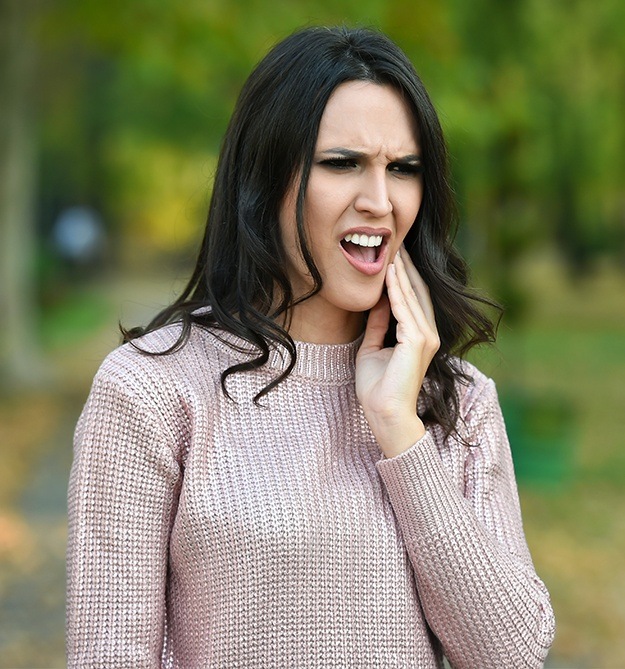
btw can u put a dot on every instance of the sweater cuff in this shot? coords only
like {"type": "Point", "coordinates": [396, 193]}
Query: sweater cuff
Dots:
{"type": "Point", "coordinates": [420, 489]}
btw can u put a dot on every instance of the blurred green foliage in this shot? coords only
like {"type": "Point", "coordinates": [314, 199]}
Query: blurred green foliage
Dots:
{"type": "Point", "coordinates": [530, 93]}
{"type": "Point", "coordinates": [68, 321]}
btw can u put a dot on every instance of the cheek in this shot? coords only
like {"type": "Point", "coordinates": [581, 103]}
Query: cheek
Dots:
{"type": "Point", "coordinates": [328, 197]}
{"type": "Point", "coordinates": [408, 215]}
{"type": "Point", "coordinates": [409, 212]}
{"type": "Point", "coordinates": [320, 216]}
{"type": "Point", "coordinates": [297, 270]}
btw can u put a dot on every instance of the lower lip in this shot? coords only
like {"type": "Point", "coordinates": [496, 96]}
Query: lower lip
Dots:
{"type": "Point", "coordinates": [368, 268]}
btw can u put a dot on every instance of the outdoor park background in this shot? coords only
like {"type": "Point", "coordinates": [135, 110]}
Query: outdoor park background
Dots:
{"type": "Point", "coordinates": [112, 112]}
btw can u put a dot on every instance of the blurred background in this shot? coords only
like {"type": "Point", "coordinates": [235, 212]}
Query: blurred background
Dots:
{"type": "Point", "coordinates": [111, 114]}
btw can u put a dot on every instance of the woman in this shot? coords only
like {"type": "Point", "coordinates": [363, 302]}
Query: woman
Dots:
{"type": "Point", "coordinates": [290, 468]}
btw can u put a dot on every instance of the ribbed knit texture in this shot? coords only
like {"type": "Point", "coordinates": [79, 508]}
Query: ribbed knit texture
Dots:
{"type": "Point", "coordinates": [207, 533]}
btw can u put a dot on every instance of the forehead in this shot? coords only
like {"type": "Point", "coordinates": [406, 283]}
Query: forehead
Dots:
{"type": "Point", "coordinates": [364, 115]}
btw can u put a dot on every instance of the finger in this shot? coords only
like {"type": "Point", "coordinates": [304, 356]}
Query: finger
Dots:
{"type": "Point", "coordinates": [420, 287]}
{"type": "Point", "coordinates": [399, 302]}
{"type": "Point", "coordinates": [428, 331]}
{"type": "Point", "coordinates": [417, 344]}
{"type": "Point", "coordinates": [410, 296]}
{"type": "Point", "coordinates": [377, 325]}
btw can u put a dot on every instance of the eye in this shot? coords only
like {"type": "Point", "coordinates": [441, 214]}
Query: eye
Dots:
{"type": "Point", "coordinates": [406, 169]}
{"type": "Point", "coordinates": [339, 163]}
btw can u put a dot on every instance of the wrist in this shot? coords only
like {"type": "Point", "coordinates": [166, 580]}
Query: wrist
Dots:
{"type": "Point", "coordinates": [397, 435]}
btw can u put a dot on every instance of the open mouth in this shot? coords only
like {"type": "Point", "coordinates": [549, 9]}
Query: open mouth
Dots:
{"type": "Point", "coordinates": [366, 251]}
{"type": "Point", "coordinates": [364, 248]}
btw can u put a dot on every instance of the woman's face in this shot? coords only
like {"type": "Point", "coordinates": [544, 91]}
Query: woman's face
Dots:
{"type": "Point", "coordinates": [363, 195]}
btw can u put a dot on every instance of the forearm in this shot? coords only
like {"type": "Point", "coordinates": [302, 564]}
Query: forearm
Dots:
{"type": "Point", "coordinates": [486, 605]}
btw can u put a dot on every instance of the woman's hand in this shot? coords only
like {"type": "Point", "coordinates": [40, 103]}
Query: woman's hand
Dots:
{"type": "Point", "coordinates": [388, 380]}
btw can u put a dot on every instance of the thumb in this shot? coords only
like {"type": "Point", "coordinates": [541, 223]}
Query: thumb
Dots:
{"type": "Point", "coordinates": [377, 325]}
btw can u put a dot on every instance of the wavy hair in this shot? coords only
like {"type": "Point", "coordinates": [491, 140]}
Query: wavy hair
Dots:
{"type": "Point", "coordinates": [241, 271]}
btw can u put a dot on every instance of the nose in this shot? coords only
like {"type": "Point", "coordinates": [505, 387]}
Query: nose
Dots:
{"type": "Point", "coordinates": [373, 196]}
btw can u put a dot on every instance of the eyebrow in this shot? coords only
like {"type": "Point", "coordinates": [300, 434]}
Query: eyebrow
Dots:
{"type": "Point", "coordinates": [350, 153]}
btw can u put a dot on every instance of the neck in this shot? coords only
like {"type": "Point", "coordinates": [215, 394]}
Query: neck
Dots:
{"type": "Point", "coordinates": [327, 327]}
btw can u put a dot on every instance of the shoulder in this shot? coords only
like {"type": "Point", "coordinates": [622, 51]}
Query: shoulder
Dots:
{"type": "Point", "coordinates": [480, 423]}
{"type": "Point", "coordinates": [155, 392]}
{"type": "Point", "coordinates": [474, 388]}
{"type": "Point", "coordinates": [153, 368]}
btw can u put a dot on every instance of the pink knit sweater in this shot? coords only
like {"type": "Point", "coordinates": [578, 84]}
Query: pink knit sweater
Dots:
{"type": "Point", "coordinates": [207, 533]}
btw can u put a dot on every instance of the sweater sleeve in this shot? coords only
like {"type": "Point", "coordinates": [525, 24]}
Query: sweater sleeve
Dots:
{"type": "Point", "coordinates": [480, 593]}
{"type": "Point", "coordinates": [121, 501]}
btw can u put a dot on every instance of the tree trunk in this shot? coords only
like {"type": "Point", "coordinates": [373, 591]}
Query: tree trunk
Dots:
{"type": "Point", "coordinates": [20, 358]}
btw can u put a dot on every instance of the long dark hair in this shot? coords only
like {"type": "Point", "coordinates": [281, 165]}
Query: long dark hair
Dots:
{"type": "Point", "coordinates": [241, 269]}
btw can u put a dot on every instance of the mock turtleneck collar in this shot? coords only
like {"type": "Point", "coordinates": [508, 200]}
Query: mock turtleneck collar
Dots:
{"type": "Point", "coordinates": [319, 362]}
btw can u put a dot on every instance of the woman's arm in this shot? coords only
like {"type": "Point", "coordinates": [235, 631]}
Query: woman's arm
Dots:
{"type": "Point", "coordinates": [122, 497]}
{"type": "Point", "coordinates": [476, 581]}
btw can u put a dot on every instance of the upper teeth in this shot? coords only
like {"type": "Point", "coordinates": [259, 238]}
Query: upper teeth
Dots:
{"type": "Point", "coordinates": [364, 240]}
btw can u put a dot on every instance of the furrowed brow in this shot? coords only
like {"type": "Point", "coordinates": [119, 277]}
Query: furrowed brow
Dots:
{"type": "Point", "coordinates": [410, 158]}
{"type": "Point", "coordinates": [345, 153]}
{"type": "Point", "coordinates": [350, 153]}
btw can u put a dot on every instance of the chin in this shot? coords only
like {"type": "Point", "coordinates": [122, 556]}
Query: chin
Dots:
{"type": "Point", "coordinates": [360, 302]}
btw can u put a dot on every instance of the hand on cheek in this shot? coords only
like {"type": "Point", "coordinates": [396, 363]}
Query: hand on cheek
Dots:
{"type": "Point", "coordinates": [388, 380]}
